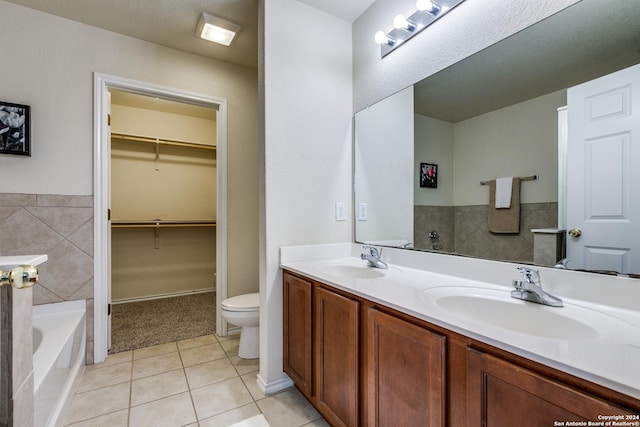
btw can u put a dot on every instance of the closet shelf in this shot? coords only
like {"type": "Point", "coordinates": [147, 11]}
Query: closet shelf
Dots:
{"type": "Point", "coordinates": [161, 141]}
{"type": "Point", "coordinates": [161, 223]}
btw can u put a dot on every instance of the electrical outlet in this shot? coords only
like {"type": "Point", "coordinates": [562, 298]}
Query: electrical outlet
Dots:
{"type": "Point", "coordinates": [341, 211]}
{"type": "Point", "coordinates": [362, 212]}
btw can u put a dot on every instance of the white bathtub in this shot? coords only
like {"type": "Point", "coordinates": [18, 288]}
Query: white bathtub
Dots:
{"type": "Point", "coordinates": [58, 358]}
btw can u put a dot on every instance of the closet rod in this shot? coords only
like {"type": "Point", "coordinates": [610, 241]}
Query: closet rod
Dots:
{"type": "Point", "coordinates": [161, 224]}
{"type": "Point", "coordinates": [522, 178]}
{"type": "Point", "coordinates": [136, 138]}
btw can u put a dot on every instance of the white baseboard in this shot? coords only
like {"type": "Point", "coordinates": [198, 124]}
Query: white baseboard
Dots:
{"type": "Point", "coordinates": [169, 295]}
{"type": "Point", "coordinates": [274, 386]}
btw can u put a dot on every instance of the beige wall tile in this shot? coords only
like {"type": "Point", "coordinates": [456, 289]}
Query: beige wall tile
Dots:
{"type": "Point", "coordinates": [63, 220]}
{"type": "Point", "coordinates": [64, 200]}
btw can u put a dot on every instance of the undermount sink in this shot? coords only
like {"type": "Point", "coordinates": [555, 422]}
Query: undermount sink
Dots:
{"type": "Point", "coordinates": [496, 308]}
{"type": "Point", "coordinates": [352, 269]}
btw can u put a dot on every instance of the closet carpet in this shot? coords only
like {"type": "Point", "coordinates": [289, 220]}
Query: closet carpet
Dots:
{"type": "Point", "coordinates": [146, 323]}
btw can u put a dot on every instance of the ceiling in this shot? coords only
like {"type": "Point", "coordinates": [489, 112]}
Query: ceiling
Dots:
{"type": "Point", "coordinates": [585, 41]}
{"type": "Point", "coordinates": [172, 23]}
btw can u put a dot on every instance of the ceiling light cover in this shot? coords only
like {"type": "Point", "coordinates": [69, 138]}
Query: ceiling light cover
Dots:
{"type": "Point", "coordinates": [216, 29]}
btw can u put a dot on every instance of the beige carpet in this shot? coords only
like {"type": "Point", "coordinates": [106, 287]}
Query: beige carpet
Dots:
{"type": "Point", "coordinates": [146, 323]}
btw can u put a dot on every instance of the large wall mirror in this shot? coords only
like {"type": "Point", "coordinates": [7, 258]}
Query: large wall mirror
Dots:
{"type": "Point", "coordinates": [424, 155]}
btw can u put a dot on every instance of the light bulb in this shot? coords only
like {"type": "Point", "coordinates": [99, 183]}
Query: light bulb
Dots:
{"type": "Point", "coordinates": [401, 23]}
{"type": "Point", "coordinates": [427, 6]}
{"type": "Point", "coordinates": [382, 38]}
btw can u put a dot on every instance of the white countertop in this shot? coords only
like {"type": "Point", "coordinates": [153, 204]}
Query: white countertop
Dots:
{"type": "Point", "coordinates": [605, 355]}
{"type": "Point", "coordinates": [10, 262]}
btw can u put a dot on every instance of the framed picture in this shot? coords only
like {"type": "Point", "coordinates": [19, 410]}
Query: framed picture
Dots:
{"type": "Point", "coordinates": [428, 175]}
{"type": "Point", "coordinates": [15, 129]}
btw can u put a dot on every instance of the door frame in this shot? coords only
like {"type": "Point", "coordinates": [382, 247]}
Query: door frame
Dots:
{"type": "Point", "coordinates": [101, 179]}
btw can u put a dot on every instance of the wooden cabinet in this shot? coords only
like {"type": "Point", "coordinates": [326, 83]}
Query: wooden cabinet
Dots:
{"type": "Point", "coordinates": [297, 332]}
{"type": "Point", "coordinates": [321, 348]}
{"type": "Point", "coordinates": [405, 373]}
{"type": "Point", "coordinates": [501, 393]}
{"type": "Point", "coordinates": [336, 353]}
{"type": "Point", "coordinates": [361, 363]}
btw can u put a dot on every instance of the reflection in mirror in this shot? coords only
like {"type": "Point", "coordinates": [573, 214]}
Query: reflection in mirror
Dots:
{"type": "Point", "coordinates": [498, 113]}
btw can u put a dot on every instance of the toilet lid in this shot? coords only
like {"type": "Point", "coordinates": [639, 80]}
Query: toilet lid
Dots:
{"type": "Point", "coordinates": [246, 302]}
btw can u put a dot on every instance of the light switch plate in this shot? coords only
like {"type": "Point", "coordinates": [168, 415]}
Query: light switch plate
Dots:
{"type": "Point", "coordinates": [341, 211]}
{"type": "Point", "coordinates": [362, 212]}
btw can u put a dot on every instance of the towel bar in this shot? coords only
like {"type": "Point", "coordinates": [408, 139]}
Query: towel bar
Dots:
{"type": "Point", "coordinates": [523, 178]}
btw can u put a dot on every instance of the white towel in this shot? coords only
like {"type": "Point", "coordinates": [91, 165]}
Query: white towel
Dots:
{"type": "Point", "coordinates": [503, 192]}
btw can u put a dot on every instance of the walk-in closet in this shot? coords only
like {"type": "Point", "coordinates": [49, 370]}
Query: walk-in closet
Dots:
{"type": "Point", "coordinates": [163, 220]}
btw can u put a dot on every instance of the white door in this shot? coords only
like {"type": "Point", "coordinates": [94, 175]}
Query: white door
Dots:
{"type": "Point", "coordinates": [603, 168]}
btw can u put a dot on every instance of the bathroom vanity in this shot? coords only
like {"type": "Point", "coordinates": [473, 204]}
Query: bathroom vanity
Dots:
{"type": "Point", "coordinates": [407, 347]}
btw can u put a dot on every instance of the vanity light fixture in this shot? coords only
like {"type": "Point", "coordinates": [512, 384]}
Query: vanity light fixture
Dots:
{"type": "Point", "coordinates": [427, 6]}
{"type": "Point", "coordinates": [406, 27]}
{"type": "Point", "coordinates": [216, 29]}
{"type": "Point", "coordinates": [402, 23]}
{"type": "Point", "coordinates": [382, 38]}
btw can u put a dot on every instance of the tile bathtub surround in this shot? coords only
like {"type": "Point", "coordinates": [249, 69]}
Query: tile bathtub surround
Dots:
{"type": "Point", "coordinates": [195, 382]}
{"type": "Point", "coordinates": [60, 226]}
{"type": "Point", "coordinates": [16, 405]}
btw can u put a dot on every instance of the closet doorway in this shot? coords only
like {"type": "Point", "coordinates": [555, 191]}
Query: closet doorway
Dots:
{"type": "Point", "coordinates": [160, 169]}
{"type": "Point", "coordinates": [163, 221]}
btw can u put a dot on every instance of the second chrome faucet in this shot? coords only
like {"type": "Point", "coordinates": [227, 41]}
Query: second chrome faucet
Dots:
{"type": "Point", "coordinates": [530, 289]}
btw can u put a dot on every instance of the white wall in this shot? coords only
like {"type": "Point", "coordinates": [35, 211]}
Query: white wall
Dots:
{"type": "Point", "coordinates": [520, 140]}
{"type": "Point", "coordinates": [383, 149]}
{"type": "Point", "coordinates": [306, 84]}
{"type": "Point", "coordinates": [434, 144]}
{"type": "Point", "coordinates": [49, 62]}
{"type": "Point", "coordinates": [469, 28]}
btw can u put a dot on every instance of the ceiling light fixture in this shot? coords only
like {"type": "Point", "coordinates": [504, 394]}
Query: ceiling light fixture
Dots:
{"type": "Point", "coordinates": [428, 12]}
{"type": "Point", "coordinates": [216, 29]}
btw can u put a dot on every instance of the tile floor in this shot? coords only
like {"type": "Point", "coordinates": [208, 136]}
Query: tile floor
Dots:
{"type": "Point", "coordinates": [195, 382]}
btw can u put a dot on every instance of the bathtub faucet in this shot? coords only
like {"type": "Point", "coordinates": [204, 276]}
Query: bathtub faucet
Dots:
{"type": "Point", "coordinates": [23, 276]}
{"type": "Point", "coordinates": [372, 256]}
{"type": "Point", "coordinates": [530, 289]}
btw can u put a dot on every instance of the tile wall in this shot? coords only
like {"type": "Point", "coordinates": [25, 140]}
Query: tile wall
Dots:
{"type": "Point", "coordinates": [16, 365]}
{"type": "Point", "coordinates": [61, 227]}
{"type": "Point", "coordinates": [463, 229]}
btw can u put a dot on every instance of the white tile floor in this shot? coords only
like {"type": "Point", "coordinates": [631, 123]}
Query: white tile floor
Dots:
{"type": "Point", "coordinates": [196, 382]}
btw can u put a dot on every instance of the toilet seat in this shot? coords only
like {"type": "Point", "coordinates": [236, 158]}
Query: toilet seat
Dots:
{"type": "Point", "coordinates": [246, 302]}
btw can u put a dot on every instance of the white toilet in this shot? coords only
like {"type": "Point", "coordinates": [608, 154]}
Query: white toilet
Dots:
{"type": "Point", "coordinates": [244, 311]}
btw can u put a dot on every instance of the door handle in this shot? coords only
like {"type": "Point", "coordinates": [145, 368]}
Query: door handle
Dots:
{"type": "Point", "coordinates": [575, 232]}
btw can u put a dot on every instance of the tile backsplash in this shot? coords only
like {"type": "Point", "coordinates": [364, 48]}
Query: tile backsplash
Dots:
{"type": "Point", "coordinates": [463, 230]}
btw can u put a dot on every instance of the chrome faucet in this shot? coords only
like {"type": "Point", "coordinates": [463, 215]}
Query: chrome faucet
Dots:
{"type": "Point", "coordinates": [372, 256]}
{"type": "Point", "coordinates": [530, 289]}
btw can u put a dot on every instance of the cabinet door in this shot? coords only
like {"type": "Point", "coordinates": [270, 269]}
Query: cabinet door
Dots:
{"type": "Point", "coordinates": [500, 393]}
{"type": "Point", "coordinates": [336, 357]}
{"type": "Point", "coordinates": [297, 332]}
{"type": "Point", "coordinates": [405, 373]}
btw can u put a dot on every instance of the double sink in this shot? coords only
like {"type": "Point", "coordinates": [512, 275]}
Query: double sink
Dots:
{"type": "Point", "coordinates": [485, 308]}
